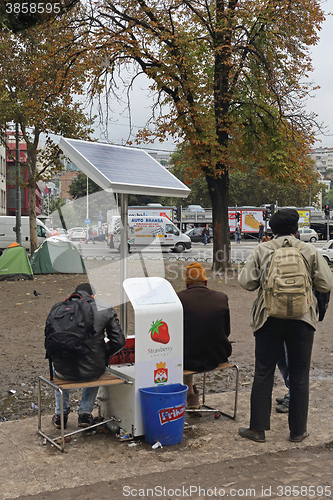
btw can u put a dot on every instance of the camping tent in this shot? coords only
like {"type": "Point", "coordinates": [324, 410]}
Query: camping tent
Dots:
{"type": "Point", "coordinates": [56, 255]}
{"type": "Point", "coordinates": [14, 264]}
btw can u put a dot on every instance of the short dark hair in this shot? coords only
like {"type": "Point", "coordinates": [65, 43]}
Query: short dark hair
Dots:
{"type": "Point", "coordinates": [85, 287]}
{"type": "Point", "coordinates": [284, 221]}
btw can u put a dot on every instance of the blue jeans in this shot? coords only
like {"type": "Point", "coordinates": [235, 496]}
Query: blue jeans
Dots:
{"type": "Point", "coordinates": [87, 399]}
{"type": "Point", "coordinates": [205, 239]}
{"type": "Point", "coordinates": [86, 404]}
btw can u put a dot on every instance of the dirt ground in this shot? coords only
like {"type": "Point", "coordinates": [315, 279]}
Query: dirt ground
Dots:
{"type": "Point", "coordinates": [23, 315]}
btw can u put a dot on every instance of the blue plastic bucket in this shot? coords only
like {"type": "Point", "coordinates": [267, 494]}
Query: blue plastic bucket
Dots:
{"type": "Point", "coordinates": [163, 413]}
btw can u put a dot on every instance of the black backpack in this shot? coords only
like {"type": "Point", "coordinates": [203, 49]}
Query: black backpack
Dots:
{"type": "Point", "coordinates": [69, 333]}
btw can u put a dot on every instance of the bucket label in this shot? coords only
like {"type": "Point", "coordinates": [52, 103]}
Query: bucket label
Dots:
{"type": "Point", "coordinates": [171, 414]}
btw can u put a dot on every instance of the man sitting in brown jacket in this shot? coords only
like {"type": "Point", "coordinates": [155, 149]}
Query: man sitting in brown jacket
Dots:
{"type": "Point", "coordinates": [206, 327]}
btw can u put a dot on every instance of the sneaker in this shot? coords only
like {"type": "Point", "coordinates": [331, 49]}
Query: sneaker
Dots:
{"type": "Point", "coordinates": [282, 408]}
{"type": "Point", "coordinates": [284, 400]}
{"type": "Point", "coordinates": [85, 420]}
{"type": "Point", "coordinates": [56, 421]}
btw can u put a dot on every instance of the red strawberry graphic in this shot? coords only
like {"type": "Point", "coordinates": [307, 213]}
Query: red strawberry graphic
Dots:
{"type": "Point", "coordinates": [159, 332]}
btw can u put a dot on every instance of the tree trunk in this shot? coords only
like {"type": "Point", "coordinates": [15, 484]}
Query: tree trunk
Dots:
{"type": "Point", "coordinates": [32, 162]}
{"type": "Point", "coordinates": [219, 193]}
{"type": "Point", "coordinates": [32, 214]}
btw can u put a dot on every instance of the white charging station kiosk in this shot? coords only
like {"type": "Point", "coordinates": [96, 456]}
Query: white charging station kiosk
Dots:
{"type": "Point", "coordinates": [158, 315]}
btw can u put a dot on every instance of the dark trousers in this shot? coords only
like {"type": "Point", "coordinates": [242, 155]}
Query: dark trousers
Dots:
{"type": "Point", "coordinates": [269, 339]}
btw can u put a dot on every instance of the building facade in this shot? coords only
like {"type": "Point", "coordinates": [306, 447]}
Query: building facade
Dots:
{"type": "Point", "coordinates": [323, 158]}
{"type": "Point", "coordinates": [12, 177]}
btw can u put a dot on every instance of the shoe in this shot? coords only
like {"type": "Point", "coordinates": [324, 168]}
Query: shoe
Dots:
{"type": "Point", "coordinates": [299, 438]}
{"type": "Point", "coordinates": [284, 400]}
{"type": "Point", "coordinates": [56, 421]}
{"type": "Point", "coordinates": [283, 408]}
{"type": "Point", "coordinates": [192, 400]}
{"type": "Point", "coordinates": [86, 420]}
{"type": "Point", "coordinates": [252, 434]}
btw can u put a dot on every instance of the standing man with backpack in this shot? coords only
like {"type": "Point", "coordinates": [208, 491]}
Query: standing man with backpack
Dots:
{"type": "Point", "coordinates": [285, 271]}
{"type": "Point", "coordinates": [80, 336]}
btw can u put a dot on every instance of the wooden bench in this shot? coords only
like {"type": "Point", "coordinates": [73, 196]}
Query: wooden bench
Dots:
{"type": "Point", "coordinates": [59, 385]}
{"type": "Point", "coordinates": [204, 407]}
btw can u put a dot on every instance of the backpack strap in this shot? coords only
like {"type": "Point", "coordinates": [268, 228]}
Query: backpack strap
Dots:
{"type": "Point", "coordinates": [300, 244]}
{"type": "Point", "coordinates": [274, 244]}
{"type": "Point", "coordinates": [78, 297]}
{"type": "Point", "coordinates": [51, 368]}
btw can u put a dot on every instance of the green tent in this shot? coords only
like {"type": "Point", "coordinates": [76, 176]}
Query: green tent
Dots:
{"type": "Point", "coordinates": [14, 264]}
{"type": "Point", "coordinates": [57, 256]}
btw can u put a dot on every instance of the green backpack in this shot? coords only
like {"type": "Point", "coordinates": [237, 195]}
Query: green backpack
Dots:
{"type": "Point", "coordinates": [287, 289]}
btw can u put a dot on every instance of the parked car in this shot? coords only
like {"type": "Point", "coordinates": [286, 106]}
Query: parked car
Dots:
{"type": "Point", "coordinates": [62, 232]}
{"type": "Point", "coordinates": [196, 234]}
{"type": "Point", "coordinates": [307, 234]}
{"type": "Point", "coordinates": [327, 251]}
{"type": "Point", "coordinates": [194, 208]}
{"type": "Point", "coordinates": [77, 233]}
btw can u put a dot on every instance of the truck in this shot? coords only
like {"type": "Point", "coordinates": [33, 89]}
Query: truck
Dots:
{"type": "Point", "coordinates": [8, 233]}
{"type": "Point", "coordinates": [146, 231]}
{"type": "Point", "coordinates": [249, 219]}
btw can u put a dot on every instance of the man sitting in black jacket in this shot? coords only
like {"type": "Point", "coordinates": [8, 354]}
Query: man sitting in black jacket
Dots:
{"type": "Point", "coordinates": [105, 322]}
{"type": "Point", "coordinates": [206, 327]}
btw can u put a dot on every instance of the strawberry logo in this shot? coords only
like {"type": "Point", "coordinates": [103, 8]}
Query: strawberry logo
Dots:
{"type": "Point", "coordinates": [159, 332]}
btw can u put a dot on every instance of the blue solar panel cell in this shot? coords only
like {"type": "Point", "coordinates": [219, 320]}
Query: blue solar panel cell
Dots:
{"type": "Point", "coordinates": [123, 169]}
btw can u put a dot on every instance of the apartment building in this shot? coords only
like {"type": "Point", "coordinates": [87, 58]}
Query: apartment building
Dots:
{"type": "Point", "coordinates": [11, 177]}
{"type": "Point", "coordinates": [323, 158]}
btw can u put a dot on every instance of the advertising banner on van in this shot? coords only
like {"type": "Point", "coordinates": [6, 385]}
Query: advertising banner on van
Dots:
{"type": "Point", "coordinates": [249, 220]}
{"type": "Point", "coordinates": [150, 212]}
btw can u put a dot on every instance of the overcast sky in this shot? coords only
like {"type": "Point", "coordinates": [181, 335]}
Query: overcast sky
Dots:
{"type": "Point", "coordinates": [322, 103]}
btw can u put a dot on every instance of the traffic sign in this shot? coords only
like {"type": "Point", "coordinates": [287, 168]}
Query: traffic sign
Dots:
{"type": "Point", "coordinates": [87, 221]}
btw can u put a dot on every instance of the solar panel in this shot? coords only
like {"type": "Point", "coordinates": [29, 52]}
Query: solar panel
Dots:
{"type": "Point", "coordinates": [123, 169]}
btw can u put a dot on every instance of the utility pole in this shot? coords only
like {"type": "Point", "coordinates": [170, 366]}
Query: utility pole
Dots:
{"type": "Point", "coordinates": [18, 187]}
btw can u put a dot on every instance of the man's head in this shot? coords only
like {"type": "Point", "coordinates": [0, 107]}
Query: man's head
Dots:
{"type": "Point", "coordinates": [195, 273]}
{"type": "Point", "coordinates": [86, 287]}
{"type": "Point", "coordinates": [284, 221]}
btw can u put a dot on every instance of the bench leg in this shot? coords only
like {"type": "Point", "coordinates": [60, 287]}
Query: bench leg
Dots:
{"type": "Point", "coordinates": [54, 441]}
{"type": "Point", "coordinates": [59, 442]}
{"type": "Point", "coordinates": [209, 409]}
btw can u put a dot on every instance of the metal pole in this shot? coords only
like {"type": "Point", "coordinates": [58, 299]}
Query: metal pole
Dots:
{"type": "Point", "coordinates": [87, 197]}
{"type": "Point", "coordinates": [18, 187]}
{"type": "Point", "coordinates": [87, 226]}
{"type": "Point", "coordinates": [123, 261]}
{"type": "Point", "coordinates": [328, 225]}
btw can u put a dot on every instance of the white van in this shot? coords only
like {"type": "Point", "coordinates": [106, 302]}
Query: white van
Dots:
{"type": "Point", "coordinates": [145, 231]}
{"type": "Point", "coordinates": [8, 234]}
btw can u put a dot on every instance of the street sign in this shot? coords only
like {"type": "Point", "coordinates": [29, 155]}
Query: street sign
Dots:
{"type": "Point", "coordinates": [87, 221]}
